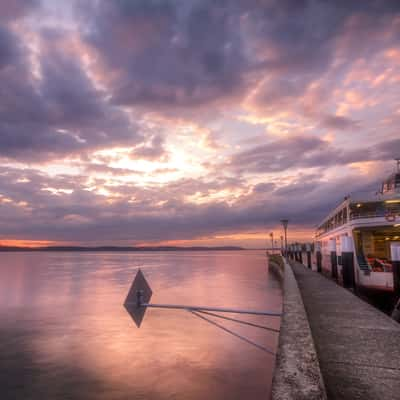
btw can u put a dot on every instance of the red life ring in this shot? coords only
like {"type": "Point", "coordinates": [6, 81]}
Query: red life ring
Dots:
{"type": "Point", "coordinates": [390, 217]}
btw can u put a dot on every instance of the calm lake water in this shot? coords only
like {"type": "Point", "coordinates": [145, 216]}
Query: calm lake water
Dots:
{"type": "Point", "coordinates": [64, 333]}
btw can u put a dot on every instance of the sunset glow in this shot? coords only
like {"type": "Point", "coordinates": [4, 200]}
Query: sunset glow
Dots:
{"type": "Point", "coordinates": [191, 123]}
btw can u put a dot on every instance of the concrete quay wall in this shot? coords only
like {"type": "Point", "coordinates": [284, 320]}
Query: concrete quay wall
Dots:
{"type": "Point", "coordinates": [297, 374]}
{"type": "Point", "coordinates": [333, 344]}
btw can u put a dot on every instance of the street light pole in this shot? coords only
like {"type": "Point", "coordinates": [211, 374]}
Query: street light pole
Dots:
{"type": "Point", "coordinates": [272, 240]}
{"type": "Point", "coordinates": [285, 225]}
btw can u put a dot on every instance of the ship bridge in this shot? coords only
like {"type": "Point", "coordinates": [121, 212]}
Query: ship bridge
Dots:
{"type": "Point", "coordinates": [392, 184]}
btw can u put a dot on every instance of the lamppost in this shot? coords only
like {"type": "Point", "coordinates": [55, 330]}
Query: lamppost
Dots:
{"type": "Point", "coordinates": [272, 240]}
{"type": "Point", "coordinates": [285, 225]}
{"type": "Point", "coordinates": [282, 249]}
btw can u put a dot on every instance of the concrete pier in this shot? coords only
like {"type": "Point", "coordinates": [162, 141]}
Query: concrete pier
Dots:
{"type": "Point", "coordinates": [358, 346]}
{"type": "Point", "coordinates": [297, 373]}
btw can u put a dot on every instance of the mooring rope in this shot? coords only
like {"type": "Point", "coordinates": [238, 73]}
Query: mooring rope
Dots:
{"type": "Point", "coordinates": [197, 314]}
{"type": "Point", "coordinates": [239, 321]}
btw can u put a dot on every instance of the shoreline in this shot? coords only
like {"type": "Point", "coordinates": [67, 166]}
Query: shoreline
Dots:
{"type": "Point", "coordinates": [8, 249]}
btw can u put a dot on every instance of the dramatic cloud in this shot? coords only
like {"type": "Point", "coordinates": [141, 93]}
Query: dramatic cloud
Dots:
{"type": "Point", "coordinates": [339, 122]}
{"type": "Point", "coordinates": [196, 121]}
{"type": "Point", "coordinates": [308, 152]}
{"type": "Point", "coordinates": [167, 53]}
{"type": "Point", "coordinates": [56, 111]}
{"type": "Point", "coordinates": [153, 151]}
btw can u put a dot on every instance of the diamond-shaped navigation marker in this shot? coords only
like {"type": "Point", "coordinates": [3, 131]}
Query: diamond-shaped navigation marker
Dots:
{"type": "Point", "coordinates": [139, 292]}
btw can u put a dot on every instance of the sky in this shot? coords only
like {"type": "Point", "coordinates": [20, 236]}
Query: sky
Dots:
{"type": "Point", "coordinates": [191, 122]}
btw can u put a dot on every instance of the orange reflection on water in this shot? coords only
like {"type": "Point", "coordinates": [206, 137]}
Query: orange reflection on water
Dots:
{"type": "Point", "coordinates": [26, 243]}
{"type": "Point", "coordinates": [77, 311]}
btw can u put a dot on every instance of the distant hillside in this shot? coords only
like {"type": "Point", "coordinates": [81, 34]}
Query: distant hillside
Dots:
{"type": "Point", "coordinates": [118, 248]}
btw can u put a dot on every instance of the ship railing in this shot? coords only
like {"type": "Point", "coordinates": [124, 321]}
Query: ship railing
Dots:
{"type": "Point", "coordinates": [389, 213]}
{"type": "Point", "coordinates": [367, 215]}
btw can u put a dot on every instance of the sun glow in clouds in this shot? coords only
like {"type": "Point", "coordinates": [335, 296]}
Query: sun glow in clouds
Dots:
{"type": "Point", "coordinates": [124, 120]}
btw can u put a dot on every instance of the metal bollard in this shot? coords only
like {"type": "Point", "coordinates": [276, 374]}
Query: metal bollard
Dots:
{"type": "Point", "coordinates": [332, 251]}
{"type": "Point", "coordinates": [395, 256]}
{"type": "Point", "coordinates": [346, 246]}
{"type": "Point", "coordinates": [300, 250]}
{"type": "Point", "coordinates": [308, 250]}
{"type": "Point", "coordinates": [396, 312]}
{"type": "Point", "coordinates": [318, 255]}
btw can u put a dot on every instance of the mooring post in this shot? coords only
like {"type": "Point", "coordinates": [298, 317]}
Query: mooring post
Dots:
{"type": "Point", "coordinates": [332, 251]}
{"type": "Point", "coordinates": [318, 255]}
{"type": "Point", "coordinates": [346, 246]}
{"type": "Point", "coordinates": [300, 250]}
{"type": "Point", "coordinates": [396, 311]}
{"type": "Point", "coordinates": [308, 250]}
{"type": "Point", "coordinates": [395, 257]}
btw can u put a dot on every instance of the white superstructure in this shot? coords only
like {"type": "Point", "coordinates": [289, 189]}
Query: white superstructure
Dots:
{"type": "Point", "coordinates": [372, 224]}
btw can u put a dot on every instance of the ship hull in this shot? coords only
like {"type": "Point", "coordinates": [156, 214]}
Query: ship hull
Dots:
{"type": "Point", "coordinates": [372, 268]}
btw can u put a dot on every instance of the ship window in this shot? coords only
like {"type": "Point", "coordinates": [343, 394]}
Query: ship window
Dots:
{"type": "Point", "coordinates": [397, 181]}
{"type": "Point", "coordinates": [374, 209]}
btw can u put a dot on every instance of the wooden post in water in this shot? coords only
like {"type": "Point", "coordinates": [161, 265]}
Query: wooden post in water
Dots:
{"type": "Point", "coordinates": [308, 250]}
{"type": "Point", "coordinates": [318, 255]}
{"type": "Point", "coordinates": [346, 246]}
{"type": "Point", "coordinates": [332, 251]}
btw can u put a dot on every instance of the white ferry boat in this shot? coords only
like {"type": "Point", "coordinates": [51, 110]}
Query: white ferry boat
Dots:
{"type": "Point", "coordinates": [373, 223]}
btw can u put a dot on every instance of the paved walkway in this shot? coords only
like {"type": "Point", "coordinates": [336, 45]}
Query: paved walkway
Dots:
{"type": "Point", "coordinates": [357, 345]}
